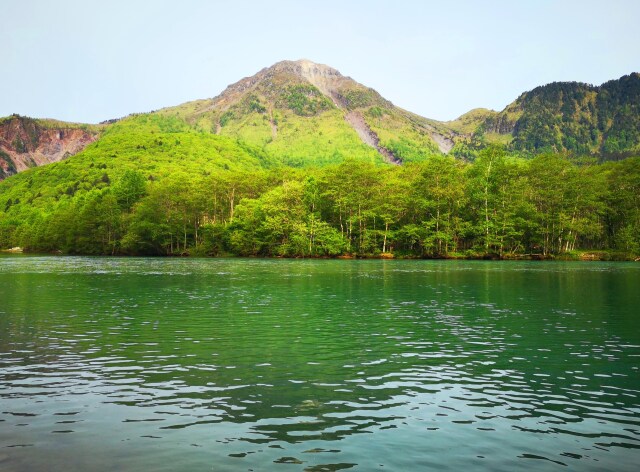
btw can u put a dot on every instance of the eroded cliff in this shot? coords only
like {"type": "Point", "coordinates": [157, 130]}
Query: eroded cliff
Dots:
{"type": "Point", "coordinates": [26, 142]}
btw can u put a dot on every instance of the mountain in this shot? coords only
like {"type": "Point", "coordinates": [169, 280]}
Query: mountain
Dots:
{"type": "Point", "coordinates": [299, 160]}
{"type": "Point", "coordinates": [567, 117]}
{"type": "Point", "coordinates": [25, 142]}
{"type": "Point", "coordinates": [156, 146]}
{"type": "Point", "coordinates": [301, 114]}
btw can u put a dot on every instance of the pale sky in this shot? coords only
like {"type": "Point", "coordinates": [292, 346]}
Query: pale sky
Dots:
{"type": "Point", "coordinates": [88, 61]}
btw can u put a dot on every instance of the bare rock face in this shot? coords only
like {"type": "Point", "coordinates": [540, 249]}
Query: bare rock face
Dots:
{"type": "Point", "coordinates": [271, 81]}
{"type": "Point", "coordinates": [326, 79]}
{"type": "Point", "coordinates": [25, 142]}
{"type": "Point", "coordinates": [309, 89]}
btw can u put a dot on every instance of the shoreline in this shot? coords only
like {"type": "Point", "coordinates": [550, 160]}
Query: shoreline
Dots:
{"type": "Point", "coordinates": [577, 256]}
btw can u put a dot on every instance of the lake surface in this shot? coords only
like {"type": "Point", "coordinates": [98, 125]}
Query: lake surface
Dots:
{"type": "Point", "coordinates": [232, 364]}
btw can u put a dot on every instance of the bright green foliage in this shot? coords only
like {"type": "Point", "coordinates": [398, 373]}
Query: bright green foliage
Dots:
{"type": "Point", "coordinates": [135, 144]}
{"type": "Point", "coordinates": [251, 127]}
{"type": "Point", "coordinates": [405, 135]}
{"type": "Point", "coordinates": [302, 141]}
{"type": "Point", "coordinates": [305, 100]}
{"type": "Point", "coordinates": [129, 189]}
{"type": "Point", "coordinates": [319, 141]}
{"type": "Point", "coordinates": [297, 124]}
{"type": "Point", "coordinates": [498, 206]}
{"type": "Point", "coordinates": [470, 121]}
{"type": "Point", "coordinates": [408, 151]}
{"type": "Point", "coordinates": [569, 203]}
{"type": "Point", "coordinates": [622, 217]}
{"type": "Point", "coordinates": [283, 222]}
{"type": "Point", "coordinates": [498, 190]}
{"type": "Point", "coordinates": [276, 168]}
{"type": "Point", "coordinates": [439, 195]}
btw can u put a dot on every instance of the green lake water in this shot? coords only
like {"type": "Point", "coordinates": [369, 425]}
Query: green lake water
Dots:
{"type": "Point", "coordinates": [113, 364]}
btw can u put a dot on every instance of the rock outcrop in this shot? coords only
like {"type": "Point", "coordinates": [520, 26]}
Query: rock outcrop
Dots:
{"type": "Point", "coordinates": [26, 142]}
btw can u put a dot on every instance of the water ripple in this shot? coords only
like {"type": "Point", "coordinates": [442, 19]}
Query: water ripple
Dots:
{"type": "Point", "coordinates": [317, 365]}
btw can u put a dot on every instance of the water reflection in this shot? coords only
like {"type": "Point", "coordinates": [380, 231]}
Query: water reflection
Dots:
{"type": "Point", "coordinates": [317, 365]}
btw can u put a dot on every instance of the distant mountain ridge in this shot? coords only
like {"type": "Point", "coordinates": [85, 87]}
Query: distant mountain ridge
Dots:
{"type": "Point", "coordinates": [300, 113]}
{"type": "Point", "coordinates": [567, 117]}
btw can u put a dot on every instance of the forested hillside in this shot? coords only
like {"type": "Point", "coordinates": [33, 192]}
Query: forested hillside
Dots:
{"type": "Point", "coordinates": [299, 114]}
{"type": "Point", "coordinates": [301, 161]}
{"type": "Point", "coordinates": [571, 117]}
{"type": "Point", "coordinates": [498, 206]}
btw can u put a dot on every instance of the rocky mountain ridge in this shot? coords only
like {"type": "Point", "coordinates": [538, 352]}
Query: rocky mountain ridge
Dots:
{"type": "Point", "coordinates": [303, 113]}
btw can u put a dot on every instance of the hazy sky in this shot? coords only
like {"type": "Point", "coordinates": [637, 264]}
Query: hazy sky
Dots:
{"type": "Point", "coordinates": [89, 61]}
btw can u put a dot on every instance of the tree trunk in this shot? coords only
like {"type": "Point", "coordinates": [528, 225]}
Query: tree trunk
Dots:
{"type": "Point", "coordinates": [384, 242]}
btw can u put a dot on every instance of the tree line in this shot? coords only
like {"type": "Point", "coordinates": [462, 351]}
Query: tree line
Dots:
{"type": "Point", "coordinates": [499, 206]}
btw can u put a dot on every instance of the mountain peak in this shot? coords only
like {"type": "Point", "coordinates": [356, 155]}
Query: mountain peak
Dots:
{"type": "Point", "coordinates": [282, 102]}
{"type": "Point", "coordinates": [305, 67]}
{"type": "Point", "coordinates": [324, 78]}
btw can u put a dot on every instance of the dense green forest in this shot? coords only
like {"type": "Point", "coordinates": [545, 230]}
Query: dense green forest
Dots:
{"type": "Point", "coordinates": [298, 161]}
{"type": "Point", "coordinates": [569, 117]}
{"type": "Point", "coordinates": [497, 206]}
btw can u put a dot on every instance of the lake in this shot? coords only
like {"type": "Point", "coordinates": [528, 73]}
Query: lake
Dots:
{"type": "Point", "coordinates": [111, 364]}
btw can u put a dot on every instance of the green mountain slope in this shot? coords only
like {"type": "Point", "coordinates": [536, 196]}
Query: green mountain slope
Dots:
{"type": "Point", "coordinates": [564, 117]}
{"type": "Point", "coordinates": [153, 145]}
{"type": "Point", "coordinates": [299, 160]}
{"type": "Point", "coordinates": [303, 113]}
